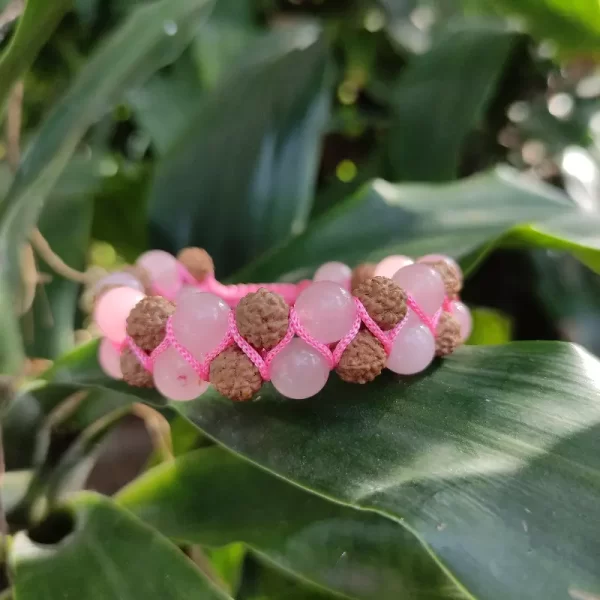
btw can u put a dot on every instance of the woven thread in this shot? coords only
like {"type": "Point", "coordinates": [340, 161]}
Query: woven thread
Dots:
{"type": "Point", "coordinates": [263, 361]}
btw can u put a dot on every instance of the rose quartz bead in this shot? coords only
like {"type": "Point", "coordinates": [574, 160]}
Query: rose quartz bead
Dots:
{"type": "Point", "coordinates": [424, 284]}
{"type": "Point", "coordinates": [109, 359]}
{"type": "Point", "coordinates": [391, 264]}
{"type": "Point", "coordinates": [118, 278]}
{"type": "Point", "coordinates": [175, 379]}
{"type": "Point", "coordinates": [334, 271]}
{"type": "Point", "coordinates": [431, 258]}
{"type": "Point", "coordinates": [412, 351]}
{"type": "Point", "coordinates": [299, 371]}
{"type": "Point", "coordinates": [326, 310]}
{"type": "Point", "coordinates": [463, 316]}
{"type": "Point", "coordinates": [112, 309]}
{"type": "Point", "coordinates": [163, 270]}
{"type": "Point", "coordinates": [200, 321]}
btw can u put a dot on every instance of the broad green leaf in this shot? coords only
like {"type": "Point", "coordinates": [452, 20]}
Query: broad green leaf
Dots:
{"type": "Point", "coordinates": [263, 582]}
{"type": "Point", "coordinates": [360, 554]}
{"type": "Point", "coordinates": [489, 459]}
{"type": "Point", "coordinates": [165, 106]}
{"type": "Point", "coordinates": [110, 554]}
{"type": "Point", "coordinates": [140, 46]}
{"type": "Point", "coordinates": [465, 219]}
{"type": "Point", "coordinates": [490, 327]}
{"type": "Point", "coordinates": [35, 27]}
{"type": "Point", "coordinates": [13, 487]}
{"type": "Point", "coordinates": [574, 25]}
{"type": "Point", "coordinates": [440, 98]}
{"type": "Point", "coordinates": [243, 176]}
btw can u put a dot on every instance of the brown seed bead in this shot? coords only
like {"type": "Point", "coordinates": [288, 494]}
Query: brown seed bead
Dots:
{"type": "Point", "coordinates": [147, 321]}
{"type": "Point", "coordinates": [133, 372]}
{"type": "Point", "coordinates": [362, 360]}
{"type": "Point", "coordinates": [384, 300]}
{"type": "Point", "coordinates": [234, 376]}
{"type": "Point", "coordinates": [447, 335]}
{"type": "Point", "coordinates": [197, 261]}
{"type": "Point", "coordinates": [361, 273]}
{"type": "Point", "coordinates": [452, 279]}
{"type": "Point", "coordinates": [262, 318]}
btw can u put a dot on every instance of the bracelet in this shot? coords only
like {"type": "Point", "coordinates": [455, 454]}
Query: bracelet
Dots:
{"type": "Point", "coordinates": [168, 323]}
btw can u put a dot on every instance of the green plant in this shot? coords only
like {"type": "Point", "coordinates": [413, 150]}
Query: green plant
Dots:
{"type": "Point", "coordinates": [280, 135]}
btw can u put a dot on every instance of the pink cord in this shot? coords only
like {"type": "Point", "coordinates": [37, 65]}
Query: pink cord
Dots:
{"type": "Point", "coordinates": [263, 361]}
{"type": "Point", "coordinates": [232, 294]}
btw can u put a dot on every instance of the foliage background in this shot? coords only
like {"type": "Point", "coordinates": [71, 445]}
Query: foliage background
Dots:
{"type": "Point", "coordinates": [279, 135]}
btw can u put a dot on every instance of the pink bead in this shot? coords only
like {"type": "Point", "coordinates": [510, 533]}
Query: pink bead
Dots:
{"type": "Point", "coordinates": [326, 310]}
{"type": "Point", "coordinates": [299, 371]}
{"type": "Point", "coordinates": [112, 309]}
{"type": "Point", "coordinates": [334, 271]}
{"type": "Point", "coordinates": [175, 379]}
{"type": "Point", "coordinates": [431, 258]}
{"type": "Point", "coordinates": [390, 265]}
{"type": "Point", "coordinates": [163, 270]}
{"type": "Point", "coordinates": [109, 359]}
{"type": "Point", "coordinates": [121, 279]}
{"type": "Point", "coordinates": [412, 351]}
{"type": "Point", "coordinates": [463, 315]}
{"type": "Point", "coordinates": [424, 284]}
{"type": "Point", "coordinates": [200, 321]}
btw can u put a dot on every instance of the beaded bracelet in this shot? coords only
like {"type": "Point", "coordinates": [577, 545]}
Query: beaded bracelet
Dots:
{"type": "Point", "coordinates": [168, 323]}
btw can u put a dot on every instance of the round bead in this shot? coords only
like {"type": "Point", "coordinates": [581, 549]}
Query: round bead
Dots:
{"type": "Point", "coordinates": [424, 284]}
{"type": "Point", "coordinates": [334, 271]}
{"type": "Point", "coordinates": [200, 321]}
{"type": "Point", "coordinates": [384, 300]}
{"type": "Point", "coordinates": [389, 265]}
{"type": "Point", "coordinates": [133, 371]}
{"type": "Point", "coordinates": [197, 261]}
{"type": "Point", "coordinates": [109, 359]}
{"type": "Point", "coordinates": [262, 318]}
{"type": "Point", "coordinates": [361, 273]}
{"type": "Point", "coordinates": [362, 360]}
{"type": "Point", "coordinates": [412, 351]}
{"type": "Point", "coordinates": [118, 279]}
{"type": "Point", "coordinates": [234, 375]}
{"type": "Point", "coordinates": [326, 310]}
{"type": "Point", "coordinates": [175, 379]}
{"type": "Point", "coordinates": [163, 270]}
{"type": "Point", "coordinates": [147, 321]}
{"type": "Point", "coordinates": [462, 314]}
{"type": "Point", "coordinates": [433, 258]}
{"type": "Point", "coordinates": [299, 371]}
{"type": "Point", "coordinates": [112, 309]}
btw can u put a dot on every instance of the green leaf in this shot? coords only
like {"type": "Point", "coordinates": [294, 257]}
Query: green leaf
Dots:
{"type": "Point", "coordinates": [243, 176]}
{"type": "Point", "coordinates": [489, 459]}
{"type": "Point", "coordinates": [13, 488]}
{"type": "Point", "coordinates": [35, 27]}
{"type": "Point", "coordinates": [139, 47]}
{"type": "Point", "coordinates": [49, 328]}
{"type": "Point", "coordinates": [357, 553]}
{"type": "Point", "coordinates": [439, 100]}
{"type": "Point", "coordinates": [490, 327]}
{"type": "Point", "coordinates": [465, 219]}
{"type": "Point", "coordinates": [574, 25]}
{"type": "Point", "coordinates": [110, 554]}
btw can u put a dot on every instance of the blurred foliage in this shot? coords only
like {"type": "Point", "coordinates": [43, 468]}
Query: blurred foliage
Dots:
{"type": "Point", "coordinates": [279, 134]}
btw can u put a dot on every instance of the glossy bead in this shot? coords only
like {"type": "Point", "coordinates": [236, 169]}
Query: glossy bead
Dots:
{"type": "Point", "coordinates": [432, 258]}
{"type": "Point", "coordinates": [163, 270]}
{"type": "Point", "coordinates": [463, 315]}
{"type": "Point", "coordinates": [299, 371]}
{"type": "Point", "coordinates": [109, 359]}
{"type": "Point", "coordinates": [200, 321]}
{"type": "Point", "coordinates": [412, 351]}
{"type": "Point", "coordinates": [334, 271]}
{"type": "Point", "coordinates": [391, 264]}
{"type": "Point", "coordinates": [175, 379]}
{"type": "Point", "coordinates": [112, 309]}
{"type": "Point", "coordinates": [326, 310]}
{"type": "Point", "coordinates": [118, 278]}
{"type": "Point", "coordinates": [424, 284]}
